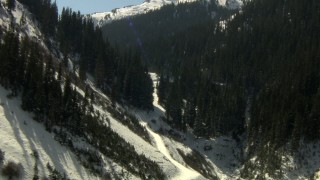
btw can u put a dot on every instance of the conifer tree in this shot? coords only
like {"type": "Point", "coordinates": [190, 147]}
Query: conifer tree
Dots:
{"type": "Point", "coordinates": [174, 107]}
{"type": "Point", "coordinates": [100, 71]}
{"type": "Point", "coordinates": [82, 68]}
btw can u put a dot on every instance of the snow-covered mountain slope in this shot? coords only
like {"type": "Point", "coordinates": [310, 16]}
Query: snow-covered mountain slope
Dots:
{"type": "Point", "coordinates": [20, 136]}
{"type": "Point", "coordinates": [148, 5]}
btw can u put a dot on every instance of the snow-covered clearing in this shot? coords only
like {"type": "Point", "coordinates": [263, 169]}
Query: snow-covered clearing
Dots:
{"type": "Point", "coordinates": [20, 135]}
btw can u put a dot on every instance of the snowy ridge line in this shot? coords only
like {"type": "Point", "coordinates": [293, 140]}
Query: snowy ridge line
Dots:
{"type": "Point", "coordinates": [101, 18]}
{"type": "Point", "coordinates": [148, 5]}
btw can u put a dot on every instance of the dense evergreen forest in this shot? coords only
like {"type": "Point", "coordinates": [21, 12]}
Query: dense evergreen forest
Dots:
{"type": "Point", "coordinates": [266, 62]}
{"type": "Point", "coordinates": [113, 71]}
{"type": "Point", "coordinates": [77, 36]}
{"type": "Point", "coordinates": [256, 73]}
{"type": "Point", "coordinates": [155, 32]}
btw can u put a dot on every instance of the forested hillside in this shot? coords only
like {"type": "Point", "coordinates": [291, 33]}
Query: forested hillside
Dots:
{"type": "Point", "coordinates": [254, 73]}
{"type": "Point", "coordinates": [240, 89]}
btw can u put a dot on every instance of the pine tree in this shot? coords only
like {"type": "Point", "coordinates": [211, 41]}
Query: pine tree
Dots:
{"type": "Point", "coordinates": [100, 71]}
{"type": "Point", "coordinates": [32, 73]}
{"type": "Point", "coordinates": [65, 59]}
{"type": "Point", "coordinates": [83, 68]}
{"type": "Point", "coordinates": [67, 100]}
